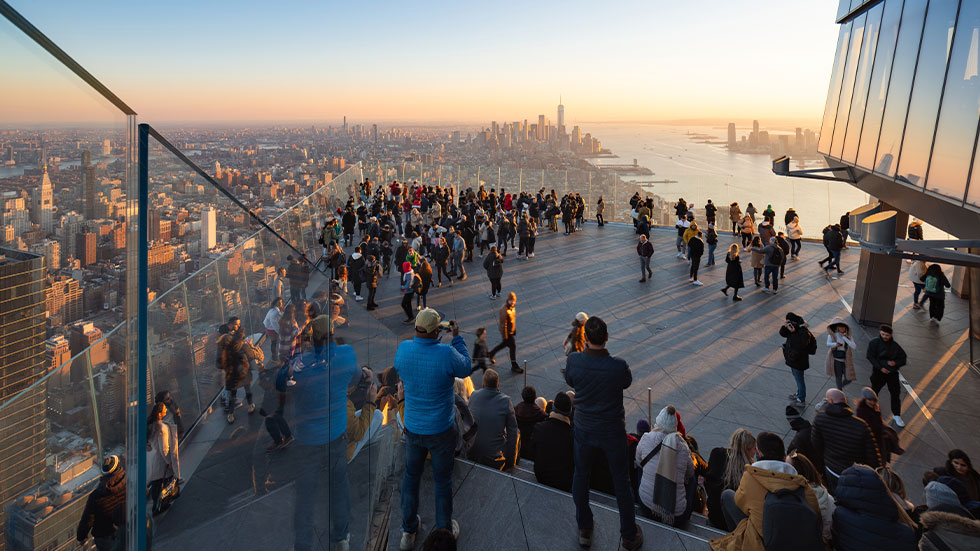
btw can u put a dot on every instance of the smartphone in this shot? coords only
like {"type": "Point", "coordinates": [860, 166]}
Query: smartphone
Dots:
{"type": "Point", "coordinates": [444, 325]}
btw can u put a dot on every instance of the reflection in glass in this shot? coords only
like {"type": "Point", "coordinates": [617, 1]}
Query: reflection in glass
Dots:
{"type": "Point", "coordinates": [833, 94]}
{"type": "Point", "coordinates": [861, 83]}
{"type": "Point", "coordinates": [883, 59]}
{"type": "Point", "coordinates": [900, 86]}
{"type": "Point", "coordinates": [847, 88]}
{"type": "Point", "coordinates": [956, 132]}
{"type": "Point", "coordinates": [926, 90]}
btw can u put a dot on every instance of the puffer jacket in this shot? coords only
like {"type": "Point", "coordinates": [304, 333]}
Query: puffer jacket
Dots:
{"type": "Point", "coordinates": [101, 505]}
{"type": "Point", "coordinates": [866, 517]}
{"type": "Point", "coordinates": [957, 532]}
{"type": "Point", "coordinates": [843, 439]}
{"type": "Point", "coordinates": [750, 498]}
{"type": "Point", "coordinates": [507, 321]}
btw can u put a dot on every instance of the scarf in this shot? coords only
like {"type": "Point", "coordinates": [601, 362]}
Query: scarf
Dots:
{"type": "Point", "coordinates": [665, 484]}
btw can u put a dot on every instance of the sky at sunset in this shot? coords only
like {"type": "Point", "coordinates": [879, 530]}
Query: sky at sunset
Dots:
{"type": "Point", "coordinates": [219, 60]}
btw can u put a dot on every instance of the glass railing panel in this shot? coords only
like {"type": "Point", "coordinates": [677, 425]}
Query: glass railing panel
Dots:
{"type": "Point", "coordinates": [171, 359]}
{"type": "Point", "coordinates": [205, 315]}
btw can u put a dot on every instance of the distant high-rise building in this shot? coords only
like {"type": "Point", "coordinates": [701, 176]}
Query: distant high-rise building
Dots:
{"type": "Point", "coordinates": [63, 300]}
{"type": "Point", "coordinates": [22, 423]}
{"type": "Point", "coordinates": [800, 144]}
{"type": "Point", "coordinates": [731, 135]}
{"type": "Point", "coordinates": [84, 335]}
{"type": "Point", "coordinates": [88, 175]}
{"type": "Point", "coordinates": [209, 228]}
{"type": "Point", "coordinates": [106, 148]}
{"type": "Point", "coordinates": [540, 133]}
{"type": "Point", "coordinates": [85, 250]}
{"type": "Point", "coordinates": [42, 203]}
{"type": "Point", "coordinates": [561, 117]}
{"type": "Point", "coordinates": [374, 134]}
{"type": "Point", "coordinates": [755, 127]}
{"type": "Point", "coordinates": [217, 170]}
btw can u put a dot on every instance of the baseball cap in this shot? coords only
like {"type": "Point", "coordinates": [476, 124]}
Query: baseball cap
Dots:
{"type": "Point", "coordinates": [427, 320]}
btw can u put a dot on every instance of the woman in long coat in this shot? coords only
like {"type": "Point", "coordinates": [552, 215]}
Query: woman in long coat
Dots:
{"type": "Point", "coordinates": [733, 273]}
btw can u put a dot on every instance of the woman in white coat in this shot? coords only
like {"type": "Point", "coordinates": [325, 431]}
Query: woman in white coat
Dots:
{"type": "Point", "coordinates": [668, 471]}
{"type": "Point", "coordinates": [161, 451]}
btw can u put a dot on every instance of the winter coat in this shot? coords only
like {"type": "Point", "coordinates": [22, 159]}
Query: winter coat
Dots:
{"type": "Point", "coordinates": [162, 451]}
{"type": "Point", "coordinates": [957, 532]}
{"type": "Point", "coordinates": [793, 229]}
{"type": "Point", "coordinates": [734, 213]}
{"type": "Point", "coordinates": [496, 433]}
{"type": "Point", "coordinates": [750, 498]}
{"type": "Point", "coordinates": [827, 506]}
{"type": "Point", "coordinates": [733, 273]}
{"type": "Point", "coordinates": [766, 232]}
{"type": "Point", "coordinates": [354, 266]}
{"type": "Point", "coordinates": [843, 439]}
{"type": "Point", "coordinates": [867, 518]}
{"type": "Point", "coordinates": [553, 449]}
{"type": "Point", "coordinates": [695, 247]}
{"type": "Point", "coordinates": [881, 352]}
{"type": "Point", "coordinates": [758, 258]}
{"type": "Point", "coordinates": [507, 321]}
{"type": "Point", "coordinates": [644, 249]}
{"type": "Point", "coordinates": [917, 269]}
{"type": "Point", "coordinates": [685, 467]}
{"type": "Point", "coordinates": [101, 505]}
{"type": "Point", "coordinates": [802, 442]}
{"type": "Point", "coordinates": [748, 226]}
{"type": "Point", "coordinates": [528, 415]}
{"type": "Point", "coordinates": [873, 418]}
{"type": "Point", "coordinates": [494, 265]}
{"type": "Point", "coordinates": [798, 342]}
{"type": "Point", "coordinates": [714, 485]}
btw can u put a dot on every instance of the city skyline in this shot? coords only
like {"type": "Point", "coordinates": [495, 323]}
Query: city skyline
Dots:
{"type": "Point", "coordinates": [390, 69]}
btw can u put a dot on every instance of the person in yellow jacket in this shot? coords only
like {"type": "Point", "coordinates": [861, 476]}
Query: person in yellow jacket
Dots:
{"type": "Point", "coordinates": [770, 474]}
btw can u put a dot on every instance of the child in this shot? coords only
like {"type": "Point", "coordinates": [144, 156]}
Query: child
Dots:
{"type": "Point", "coordinates": [480, 350]}
{"type": "Point", "coordinates": [386, 254]}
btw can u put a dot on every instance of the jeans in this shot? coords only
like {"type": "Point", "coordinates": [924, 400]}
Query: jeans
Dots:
{"type": "Point", "coordinates": [613, 445]}
{"type": "Point", "coordinates": [839, 374]}
{"type": "Point", "coordinates": [273, 344]}
{"type": "Point", "coordinates": [456, 264]}
{"type": "Point", "coordinates": [645, 267]}
{"type": "Point", "coordinates": [231, 391]}
{"type": "Point", "coordinates": [733, 515]}
{"type": "Point", "coordinates": [794, 246]}
{"type": "Point", "coordinates": [800, 384]}
{"type": "Point", "coordinates": [422, 298]}
{"type": "Point", "coordinates": [835, 260]}
{"type": "Point", "coordinates": [441, 448]}
{"type": "Point", "coordinates": [879, 380]}
{"type": "Point", "coordinates": [510, 343]}
{"type": "Point", "coordinates": [711, 253]}
{"type": "Point", "coordinates": [681, 246]}
{"type": "Point", "coordinates": [774, 272]}
{"type": "Point", "coordinates": [915, 294]}
{"type": "Point", "coordinates": [329, 461]}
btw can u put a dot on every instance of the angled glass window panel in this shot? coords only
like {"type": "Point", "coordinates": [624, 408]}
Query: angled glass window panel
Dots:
{"type": "Point", "coordinates": [878, 89]}
{"type": "Point", "coordinates": [833, 94]}
{"type": "Point", "coordinates": [847, 87]}
{"type": "Point", "coordinates": [861, 83]}
{"type": "Point", "coordinates": [960, 111]}
{"type": "Point", "coordinates": [900, 86]}
{"type": "Point", "coordinates": [927, 90]}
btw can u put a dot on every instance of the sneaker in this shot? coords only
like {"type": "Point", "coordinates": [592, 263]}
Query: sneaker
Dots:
{"type": "Point", "coordinates": [585, 538]}
{"type": "Point", "coordinates": [650, 273]}
{"type": "Point", "coordinates": [251, 408]}
{"type": "Point", "coordinates": [782, 277]}
{"type": "Point", "coordinates": [230, 418]}
{"type": "Point", "coordinates": [839, 272]}
{"type": "Point", "coordinates": [531, 255]}
{"type": "Point", "coordinates": [725, 291]}
{"type": "Point", "coordinates": [793, 397]}
{"type": "Point", "coordinates": [462, 278]}
{"type": "Point", "coordinates": [407, 542]}
{"type": "Point", "coordinates": [799, 403]}
{"type": "Point", "coordinates": [358, 298]}
{"type": "Point", "coordinates": [643, 280]}
{"type": "Point", "coordinates": [455, 530]}
{"type": "Point", "coordinates": [273, 447]}
{"type": "Point", "coordinates": [765, 290]}
{"type": "Point", "coordinates": [408, 321]}
{"type": "Point", "coordinates": [287, 442]}
{"type": "Point", "coordinates": [899, 422]}
{"type": "Point", "coordinates": [516, 369]}
{"type": "Point", "coordinates": [916, 306]}
{"type": "Point", "coordinates": [490, 296]}
{"type": "Point", "coordinates": [736, 299]}
{"type": "Point", "coordinates": [636, 542]}
{"type": "Point", "coordinates": [934, 320]}
{"type": "Point", "coordinates": [775, 292]}
{"type": "Point", "coordinates": [697, 283]}
{"type": "Point", "coordinates": [342, 545]}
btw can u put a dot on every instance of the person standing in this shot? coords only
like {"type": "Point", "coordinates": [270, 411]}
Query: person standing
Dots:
{"type": "Point", "coordinates": [599, 381]}
{"type": "Point", "coordinates": [795, 237]}
{"type": "Point", "coordinates": [750, 212]}
{"type": "Point", "coordinates": [747, 228]}
{"type": "Point", "coordinates": [100, 506]}
{"type": "Point", "coordinates": [496, 439]}
{"type": "Point", "coordinates": [784, 246]}
{"type": "Point", "coordinates": [458, 252]}
{"type": "Point", "coordinates": [840, 360]}
{"type": "Point", "coordinates": [682, 226]}
{"type": "Point", "coordinates": [424, 270]}
{"type": "Point", "coordinates": [372, 274]}
{"type": "Point", "coordinates": [695, 248]}
{"type": "Point", "coordinates": [161, 456]}
{"type": "Point", "coordinates": [935, 284]}
{"type": "Point", "coordinates": [887, 357]}
{"type": "Point", "coordinates": [428, 371]}
{"type": "Point", "coordinates": [735, 215]}
{"type": "Point", "coordinates": [271, 325]}
{"type": "Point", "coordinates": [440, 255]}
{"type": "Point", "coordinates": [772, 258]}
{"type": "Point", "coordinates": [917, 270]}
{"type": "Point", "coordinates": [600, 206]}
{"type": "Point", "coordinates": [279, 283]}
{"type": "Point", "coordinates": [733, 273]}
{"type": "Point", "coordinates": [411, 284]}
{"type": "Point", "coordinates": [799, 346]}
{"type": "Point", "coordinates": [711, 238]}
{"type": "Point", "coordinates": [835, 243]}
{"type": "Point", "coordinates": [709, 212]}
{"type": "Point", "coordinates": [644, 248]}
{"type": "Point", "coordinates": [355, 265]}
{"type": "Point", "coordinates": [507, 324]}
{"type": "Point", "coordinates": [493, 263]}
{"type": "Point", "coordinates": [757, 259]}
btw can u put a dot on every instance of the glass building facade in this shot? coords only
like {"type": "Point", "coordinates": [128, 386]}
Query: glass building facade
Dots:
{"type": "Point", "coordinates": [904, 96]}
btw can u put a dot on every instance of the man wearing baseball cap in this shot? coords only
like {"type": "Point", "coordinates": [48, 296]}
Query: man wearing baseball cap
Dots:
{"type": "Point", "coordinates": [428, 370]}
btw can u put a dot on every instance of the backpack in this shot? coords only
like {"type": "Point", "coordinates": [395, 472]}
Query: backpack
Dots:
{"type": "Point", "coordinates": [788, 522]}
{"type": "Point", "coordinates": [932, 285]}
{"type": "Point", "coordinates": [777, 256]}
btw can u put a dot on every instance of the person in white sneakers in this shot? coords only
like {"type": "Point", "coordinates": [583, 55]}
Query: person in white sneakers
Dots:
{"type": "Point", "coordinates": [355, 267]}
{"type": "Point", "coordinates": [695, 249]}
{"type": "Point", "coordinates": [887, 357]}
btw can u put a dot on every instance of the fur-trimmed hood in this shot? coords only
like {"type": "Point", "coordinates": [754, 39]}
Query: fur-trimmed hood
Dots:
{"type": "Point", "coordinates": [934, 520]}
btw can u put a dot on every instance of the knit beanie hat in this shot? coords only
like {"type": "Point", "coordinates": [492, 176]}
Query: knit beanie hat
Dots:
{"type": "Point", "coordinates": [958, 488]}
{"type": "Point", "coordinates": [406, 266]}
{"type": "Point", "coordinates": [938, 493]}
{"type": "Point", "coordinates": [868, 394]}
{"type": "Point", "coordinates": [792, 413]}
{"type": "Point", "coordinates": [562, 404]}
{"type": "Point", "coordinates": [642, 426]}
{"type": "Point", "coordinates": [666, 420]}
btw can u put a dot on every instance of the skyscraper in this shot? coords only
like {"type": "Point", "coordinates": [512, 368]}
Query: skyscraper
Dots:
{"type": "Point", "coordinates": [42, 204]}
{"type": "Point", "coordinates": [88, 174]}
{"type": "Point", "coordinates": [22, 424]}
{"type": "Point", "coordinates": [731, 135]}
{"type": "Point", "coordinates": [106, 148]}
{"type": "Point", "coordinates": [209, 229]}
{"type": "Point", "coordinates": [85, 250]}
{"type": "Point", "coordinates": [561, 117]}
{"type": "Point", "coordinates": [540, 133]}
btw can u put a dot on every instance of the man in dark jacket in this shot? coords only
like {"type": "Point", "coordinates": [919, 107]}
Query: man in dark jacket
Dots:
{"type": "Point", "coordinates": [799, 346]}
{"type": "Point", "coordinates": [101, 506]}
{"type": "Point", "coordinates": [695, 248]}
{"type": "Point", "coordinates": [528, 414]}
{"type": "Point", "coordinates": [348, 221]}
{"type": "Point", "coordinates": [553, 446]}
{"type": "Point", "coordinates": [599, 380]}
{"type": "Point", "coordinates": [372, 274]}
{"type": "Point", "coordinates": [496, 434]}
{"type": "Point", "coordinates": [835, 243]}
{"type": "Point", "coordinates": [887, 357]}
{"type": "Point", "coordinates": [644, 248]}
{"type": "Point", "coordinates": [355, 265]}
{"type": "Point", "coordinates": [801, 441]}
{"type": "Point", "coordinates": [783, 244]}
{"type": "Point", "coordinates": [842, 439]}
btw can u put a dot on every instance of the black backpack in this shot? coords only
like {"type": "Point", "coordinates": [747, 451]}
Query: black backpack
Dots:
{"type": "Point", "coordinates": [777, 256]}
{"type": "Point", "coordinates": [788, 522]}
